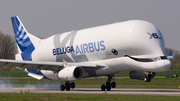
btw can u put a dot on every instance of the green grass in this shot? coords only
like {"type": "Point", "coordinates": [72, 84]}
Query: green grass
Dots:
{"type": "Point", "coordinates": [13, 74]}
{"type": "Point", "coordinates": [83, 97]}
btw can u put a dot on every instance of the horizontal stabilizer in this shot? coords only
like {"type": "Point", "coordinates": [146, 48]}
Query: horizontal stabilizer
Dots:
{"type": "Point", "coordinates": [170, 56]}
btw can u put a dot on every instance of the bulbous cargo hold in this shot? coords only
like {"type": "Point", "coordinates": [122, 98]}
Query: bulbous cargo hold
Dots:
{"type": "Point", "coordinates": [134, 38]}
{"type": "Point", "coordinates": [134, 42]}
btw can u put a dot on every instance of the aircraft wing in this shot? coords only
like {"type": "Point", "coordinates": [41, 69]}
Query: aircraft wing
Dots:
{"type": "Point", "coordinates": [53, 66]}
{"type": "Point", "coordinates": [170, 55]}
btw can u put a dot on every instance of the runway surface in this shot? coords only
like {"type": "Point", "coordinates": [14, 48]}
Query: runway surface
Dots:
{"type": "Point", "coordinates": [166, 92]}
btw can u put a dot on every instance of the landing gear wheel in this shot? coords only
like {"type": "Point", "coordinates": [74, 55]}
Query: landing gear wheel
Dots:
{"type": "Point", "coordinates": [148, 76]}
{"type": "Point", "coordinates": [72, 85]}
{"type": "Point", "coordinates": [62, 87]}
{"type": "Point", "coordinates": [149, 79]}
{"type": "Point", "coordinates": [113, 85]}
{"type": "Point", "coordinates": [108, 86]}
{"type": "Point", "coordinates": [67, 86]}
{"type": "Point", "coordinates": [103, 87]}
{"type": "Point", "coordinates": [145, 79]}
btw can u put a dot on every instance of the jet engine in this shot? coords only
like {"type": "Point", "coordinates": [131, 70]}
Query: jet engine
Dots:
{"type": "Point", "coordinates": [140, 75]}
{"type": "Point", "coordinates": [71, 73]}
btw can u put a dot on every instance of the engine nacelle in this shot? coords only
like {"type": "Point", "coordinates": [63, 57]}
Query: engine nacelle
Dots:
{"type": "Point", "coordinates": [140, 75]}
{"type": "Point", "coordinates": [71, 73]}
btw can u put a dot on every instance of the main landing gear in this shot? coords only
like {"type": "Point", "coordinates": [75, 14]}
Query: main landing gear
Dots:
{"type": "Point", "coordinates": [108, 84]}
{"type": "Point", "coordinates": [67, 86]}
{"type": "Point", "coordinates": [148, 77]}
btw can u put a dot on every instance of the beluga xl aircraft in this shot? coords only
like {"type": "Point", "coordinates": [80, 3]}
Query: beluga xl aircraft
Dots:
{"type": "Point", "coordinates": [136, 46]}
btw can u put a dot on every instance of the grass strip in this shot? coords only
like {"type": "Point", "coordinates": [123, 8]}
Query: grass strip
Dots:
{"type": "Point", "coordinates": [83, 97]}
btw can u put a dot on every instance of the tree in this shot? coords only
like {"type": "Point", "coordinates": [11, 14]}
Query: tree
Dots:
{"type": "Point", "coordinates": [174, 52]}
{"type": "Point", "coordinates": [176, 61]}
{"type": "Point", "coordinates": [8, 47]}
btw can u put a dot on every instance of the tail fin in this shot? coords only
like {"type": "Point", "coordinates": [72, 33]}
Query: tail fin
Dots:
{"type": "Point", "coordinates": [24, 39]}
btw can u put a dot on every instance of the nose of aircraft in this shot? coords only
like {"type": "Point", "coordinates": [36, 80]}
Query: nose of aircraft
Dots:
{"type": "Point", "coordinates": [164, 65]}
{"type": "Point", "coordinates": [167, 64]}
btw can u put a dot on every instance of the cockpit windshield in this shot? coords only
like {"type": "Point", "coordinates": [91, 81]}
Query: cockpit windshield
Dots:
{"type": "Point", "coordinates": [163, 57]}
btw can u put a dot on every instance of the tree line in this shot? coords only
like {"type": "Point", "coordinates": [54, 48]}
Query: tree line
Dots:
{"type": "Point", "coordinates": [8, 49]}
{"type": "Point", "coordinates": [176, 61]}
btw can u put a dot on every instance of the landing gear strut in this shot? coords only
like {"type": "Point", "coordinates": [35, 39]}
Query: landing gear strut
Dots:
{"type": "Point", "coordinates": [148, 77]}
{"type": "Point", "coordinates": [108, 84]}
{"type": "Point", "coordinates": [67, 86]}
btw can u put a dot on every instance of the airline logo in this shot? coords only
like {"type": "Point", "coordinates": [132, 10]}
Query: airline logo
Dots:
{"type": "Point", "coordinates": [81, 49]}
{"type": "Point", "coordinates": [154, 35]}
{"type": "Point", "coordinates": [21, 36]}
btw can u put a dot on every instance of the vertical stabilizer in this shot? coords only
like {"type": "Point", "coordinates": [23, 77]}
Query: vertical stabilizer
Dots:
{"type": "Point", "coordinates": [24, 40]}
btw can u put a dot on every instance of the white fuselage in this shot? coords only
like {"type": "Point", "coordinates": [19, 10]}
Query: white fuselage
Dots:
{"type": "Point", "coordinates": [135, 38]}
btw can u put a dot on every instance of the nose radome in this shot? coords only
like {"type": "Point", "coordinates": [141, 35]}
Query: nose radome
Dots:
{"type": "Point", "coordinates": [163, 65]}
{"type": "Point", "coordinates": [167, 64]}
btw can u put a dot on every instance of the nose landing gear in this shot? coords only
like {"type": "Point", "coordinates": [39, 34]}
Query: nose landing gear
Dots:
{"type": "Point", "coordinates": [148, 76]}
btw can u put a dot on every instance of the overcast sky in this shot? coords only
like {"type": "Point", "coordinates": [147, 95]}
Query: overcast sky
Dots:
{"type": "Point", "coordinates": [44, 18]}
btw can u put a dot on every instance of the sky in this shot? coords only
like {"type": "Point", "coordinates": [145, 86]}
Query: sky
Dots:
{"type": "Point", "coordinates": [44, 18]}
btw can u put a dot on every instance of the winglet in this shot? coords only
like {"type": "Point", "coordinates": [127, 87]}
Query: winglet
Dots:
{"type": "Point", "coordinates": [170, 56]}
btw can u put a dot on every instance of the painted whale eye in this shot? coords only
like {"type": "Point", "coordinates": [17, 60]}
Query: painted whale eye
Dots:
{"type": "Point", "coordinates": [114, 51]}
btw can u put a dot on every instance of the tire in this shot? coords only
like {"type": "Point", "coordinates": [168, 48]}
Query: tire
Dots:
{"type": "Point", "coordinates": [67, 86]}
{"type": "Point", "coordinates": [149, 78]}
{"type": "Point", "coordinates": [103, 87]}
{"type": "Point", "coordinates": [62, 87]}
{"type": "Point", "coordinates": [72, 85]}
{"type": "Point", "coordinates": [108, 86]}
{"type": "Point", "coordinates": [145, 79]}
{"type": "Point", "coordinates": [113, 85]}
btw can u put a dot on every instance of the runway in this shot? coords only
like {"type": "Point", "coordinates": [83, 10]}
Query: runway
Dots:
{"type": "Point", "coordinates": [165, 92]}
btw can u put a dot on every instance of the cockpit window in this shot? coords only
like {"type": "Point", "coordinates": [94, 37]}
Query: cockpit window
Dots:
{"type": "Point", "coordinates": [157, 58]}
{"type": "Point", "coordinates": [163, 57]}
{"type": "Point", "coordinates": [147, 59]}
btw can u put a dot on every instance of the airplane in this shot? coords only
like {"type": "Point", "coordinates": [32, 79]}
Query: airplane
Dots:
{"type": "Point", "coordinates": [135, 45]}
